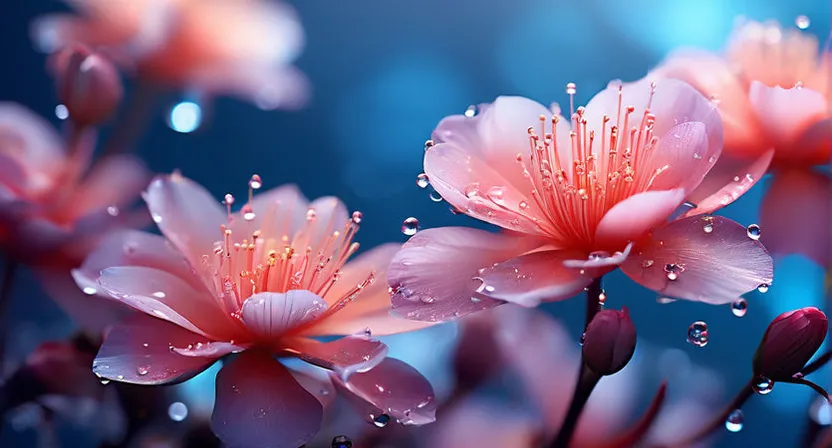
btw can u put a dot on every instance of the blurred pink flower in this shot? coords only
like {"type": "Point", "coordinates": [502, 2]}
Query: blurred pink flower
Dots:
{"type": "Point", "coordinates": [263, 283]}
{"type": "Point", "coordinates": [175, 42]}
{"type": "Point", "coordinates": [772, 89]}
{"type": "Point", "coordinates": [576, 202]}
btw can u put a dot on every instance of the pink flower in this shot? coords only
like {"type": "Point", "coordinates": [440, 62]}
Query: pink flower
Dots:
{"type": "Point", "coordinates": [772, 90]}
{"type": "Point", "coordinates": [576, 202]}
{"type": "Point", "coordinates": [262, 283]}
{"type": "Point", "coordinates": [175, 42]}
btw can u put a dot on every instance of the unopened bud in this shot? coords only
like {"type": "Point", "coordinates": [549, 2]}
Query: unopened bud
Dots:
{"type": "Point", "coordinates": [88, 85]}
{"type": "Point", "coordinates": [789, 343]}
{"type": "Point", "coordinates": [609, 341]}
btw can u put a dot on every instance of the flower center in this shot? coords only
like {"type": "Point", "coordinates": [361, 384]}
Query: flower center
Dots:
{"type": "Point", "coordinates": [576, 185]}
{"type": "Point", "coordinates": [274, 257]}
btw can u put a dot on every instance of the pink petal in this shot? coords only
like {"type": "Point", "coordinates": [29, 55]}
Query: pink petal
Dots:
{"type": "Point", "coordinates": [796, 215]}
{"type": "Point", "coordinates": [712, 76]}
{"type": "Point", "coordinates": [113, 181]}
{"type": "Point", "coordinates": [673, 102]}
{"type": "Point", "coordinates": [344, 356]}
{"type": "Point", "coordinates": [92, 312]}
{"type": "Point", "coordinates": [316, 382]}
{"type": "Point", "coordinates": [165, 296]}
{"type": "Point", "coordinates": [708, 259]}
{"type": "Point", "coordinates": [729, 179]}
{"type": "Point", "coordinates": [470, 184]}
{"type": "Point", "coordinates": [371, 310]}
{"type": "Point", "coordinates": [138, 351]}
{"type": "Point", "coordinates": [270, 314]}
{"type": "Point", "coordinates": [477, 422]}
{"type": "Point", "coordinates": [328, 215]}
{"type": "Point", "coordinates": [633, 217]}
{"type": "Point", "coordinates": [187, 214]}
{"type": "Point", "coordinates": [599, 263]}
{"type": "Point", "coordinates": [260, 405]}
{"type": "Point", "coordinates": [813, 147]}
{"type": "Point", "coordinates": [533, 278]}
{"type": "Point", "coordinates": [133, 248]}
{"type": "Point", "coordinates": [209, 349]}
{"type": "Point", "coordinates": [433, 275]}
{"type": "Point", "coordinates": [278, 212]}
{"type": "Point", "coordinates": [682, 157]}
{"type": "Point", "coordinates": [786, 113]}
{"type": "Point", "coordinates": [29, 138]}
{"type": "Point", "coordinates": [392, 388]}
{"type": "Point", "coordinates": [12, 173]}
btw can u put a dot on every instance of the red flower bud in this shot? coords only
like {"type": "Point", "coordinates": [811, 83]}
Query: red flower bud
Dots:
{"type": "Point", "coordinates": [790, 341]}
{"type": "Point", "coordinates": [609, 341]}
{"type": "Point", "coordinates": [88, 85]}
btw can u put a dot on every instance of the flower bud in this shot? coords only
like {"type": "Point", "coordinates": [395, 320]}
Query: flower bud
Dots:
{"type": "Point", "coordinates": [789, 342]}
{"type": "Point", "coordinates": [88, 85]}
{"type": "Point", "coordinates": [609, 341]}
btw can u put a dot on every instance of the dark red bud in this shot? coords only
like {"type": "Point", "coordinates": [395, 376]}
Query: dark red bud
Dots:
{"type": "Point", "coordinates": [609, 341]}
{"type": "Point", "coordinates": [789, 342]}
{"type": "Point", "coordinates": [88, 85]}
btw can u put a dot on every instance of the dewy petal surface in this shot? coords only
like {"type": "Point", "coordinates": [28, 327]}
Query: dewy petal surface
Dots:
{"type": "Point", "coordinates": [344, 356]}
{"type": "Point", "coordinates": [633, 217]}
{"type": "Point", "coordinates": [269, 314]}
{"type": "Point", "coordinates": [786, 113]}
{"type": "Point", "coordinates": [707, 259]}
{"type": "Point", "coordinates": [139, 351]}
{"type": "Point", "coordinates": [433, 276]}
{"type": "Point", "coordinates": [260, 405]}
{"type": "Point", "coordinates": [796, 215]}
{"type": "Point", "coordinates": [393, 388]}
{"type": "Point", "coordinates": [729, 179]}
{"type": "Point", "coordinates": [533, 278]}
{"type": "Point", "coordinates": [166, 296]}
{"type": "Point", "coordinates": [187, 214]}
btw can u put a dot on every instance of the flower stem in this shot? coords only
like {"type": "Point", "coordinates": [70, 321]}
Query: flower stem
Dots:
{"type": "Point", "coordinates": [587, 379]}
{"type": "Point", "coordinates": [6, 287]}
{"type": "Point", "coordinates": [719, 421]}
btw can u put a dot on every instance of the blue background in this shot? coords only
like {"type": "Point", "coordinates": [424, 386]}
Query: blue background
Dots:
{"type": "Point", "coordinates": [384, 73]}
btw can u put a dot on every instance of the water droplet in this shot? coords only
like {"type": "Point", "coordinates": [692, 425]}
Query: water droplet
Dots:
{"type": "Point", "coordinates": [802, 22]}
{"type": "Point", "coordinates": [248, 212]}
{"type": "Point", "coordinates": [471, 111]}
{"type": "Point", "coordinates": [61, 112]}
{"type": "Point", "coordinates": [734, 421]}
{"type": "Point", "coordinates": [762, 385]}
{"type": "Point", "coordinates": [753, 232]}
{"type": "Point", "coordinates": [496, 195]}
{"type": "Point", "coordinates": [368, 332]}
{"type": "Point", "coordinates": [381, 421]}
{"type": "Point", "coordinates": [708, 228]}
{"type": "Point", "coordinates": [185, 117]}
{"type": "Point", "coordinates": [311, 214]}
{"type": "Point", "coordinates": [435, 196]}
{"type": "Point", "coordinates": [664, 300]}
{"type": "Point", "coordinates": [229, 199]}
{"type": "Point", "coordinates": [523, 205]}
{"type": "Point", "coordinates": [428, 144]}
{"type": "Point", "coordinates": [647, 263]}
{"type": "Point", "coordinates": [410, 226]}
{"type": "Point", "coordinates": [159, 294]}
{"type": "Point", "coordinates": [142, 370]}
{"type": "Point", "coordinates": [673, 271]}
{"type": "Point", "coordinates": [89, 290]}
{"type": "Point", "coordinates": [763, 288]}
{"type": "Point", "coordinates": [472, 190]}
{"type": "Point", "coordinates": [698, 334]}
{"type": "Point", "coordinates": [602, 298]}
{"type": "Point", "coordinates": [582, 339]}
{"type": "Point", "coordinates": [821, 411]}
{"type": "Point", "coordinates": [422, 180]}
{"type": "Point", "coordinates": [255, 182]}
{"type": "Point", "coordinates": [739, 307]}
{"type": "Point", "coordinates": [157, 218]}
{"type": "Point", "coordinates": [571, 88]}
{"type": "Point", "coordinates": [341, 442]}
{"type": "Point", "coordinates": [598, 255]}
{"type": "Point", "coordinates": [104, 381]}
{"type": "Point", "coordinates": [177, 411]}
{"type": "Point", "coordinates": [356, 217]}
{"type": "Point", "coordinates": [427, 299]}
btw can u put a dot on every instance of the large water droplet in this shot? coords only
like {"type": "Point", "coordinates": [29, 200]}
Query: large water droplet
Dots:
{"type": "Point", "coordinates": [739, 307]}
{"type": "Point", "coordinates": [762, 385]}
{"type": "Point", "coordinates": [802, 22]}
{"type": "Point", "coordinates": [410, 226]}
{"type": "Point", "coordinates": [571, 88]}
{"type": "Point", "coordinates": [698, 334]}
{"type": "Point", "coordinates": [341, 442]}
{"type": "Point", "coordinates": [734, 421]}
{"type": "Point", "coordinates": [178, 411]}
{"type": "Point", "coordinates": [422, 180]}
{"type": "Point", "coordinates": [381, 421]}
{"type": "Point", "coordinates": [763, 288]}
{"type": "Point", "coordinates": [753, 232]}
{"type": "Point", "coordinates": [185, 117]}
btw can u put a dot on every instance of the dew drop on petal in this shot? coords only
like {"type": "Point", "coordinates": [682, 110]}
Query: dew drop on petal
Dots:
{"type": "Point", "coordinates": [763, 288]}
{"type": "Point", "coordinates": [142, 370]}
{"type": "Point", "coordinates": [664, 300]}
{"type": "Point", "coordinates": [422, 180]}
{"type": "Point", "coordinates": [673, 271]}
{"type": "Point", "coordinates": [762, 385]}
{"type": "Point", "coordinates": [380, 421]}
{"type": "Point", "coordinates": [185, 117]}
{"type": "Point", "coordinates": [739, 307]}
{"type": "Point", "coordinates": [698, 334]}
{"type": "Point", "coordinates": [435, 196]}
{"type": "Point", "coordinates": [734, 421]}
{"type": "Point", "coordinates": [428, 144]}
{"type": "Point", "coordinates": [104, 381]}
{"type": "Point", "coordinates": [311, 214]}
{"type": "Point", "coordinates": [753, 232]}
{"type": "Point", "coordinates": [89, 290]}
{"type": "Point", "coordinates": [178, 411]}
{"type": "Point", "coordinates": [157, 218]}
{"type": "Point", "coordinates": [471, 111]}
{"type": "Point", "coordinates": [410, 226]}
{"type": "Point", "coordinates": [802, 22]}
{"type": "Point", "coordinates": [341, 442]}
{"type": "Point", "coordinates": [708, 228]}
